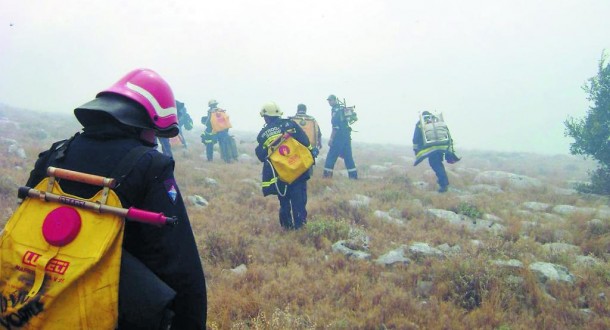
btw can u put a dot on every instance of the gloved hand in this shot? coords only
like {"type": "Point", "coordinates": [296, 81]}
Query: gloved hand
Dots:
{"type": "Point", "coordinates": [315, 152]}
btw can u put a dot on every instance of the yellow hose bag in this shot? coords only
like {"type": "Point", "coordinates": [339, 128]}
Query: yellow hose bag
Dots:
{"type": "Point", "coordinates": [290, 159]}
{"type": "Point", "coordinates": [72, 286]}
{"type": "Point", "coordinates": [220, 120]}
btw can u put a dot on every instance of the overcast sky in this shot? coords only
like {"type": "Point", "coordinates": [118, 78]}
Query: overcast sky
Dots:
{"type": "Point", "coordinates": [505, 74]}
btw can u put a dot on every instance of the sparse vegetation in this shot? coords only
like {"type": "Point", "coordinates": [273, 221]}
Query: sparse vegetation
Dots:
{"type": "Point", "coordinates": [260, 276]}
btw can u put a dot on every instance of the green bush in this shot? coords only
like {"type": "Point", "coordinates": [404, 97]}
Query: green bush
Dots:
{"type": "Point", "coordinates": [326, 230]}
{"type": "Point", "coordinates": [468, 210]}
{"type": "Point", "coordinates": [470, 283]}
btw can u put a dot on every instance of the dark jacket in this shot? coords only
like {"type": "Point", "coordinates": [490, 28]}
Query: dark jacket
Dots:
{"type": "Point", "coordinates": [418, 139]}
{"type": "Point", "coordinates": [207, 121]}
{"type": "Point", "coordinates": [170, 252]}
{"type": "Point", "coordinates": [184, 119]}
{"type": "Point", "coordinates": [341, 127]}
{"type": "Point", "coordinates": [270, 132]}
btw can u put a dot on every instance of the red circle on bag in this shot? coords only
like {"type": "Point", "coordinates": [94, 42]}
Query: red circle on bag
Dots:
{"type": "Point", "coordinates": [61, 226]}
{"type": "Point", "coordinates": [284, 150]}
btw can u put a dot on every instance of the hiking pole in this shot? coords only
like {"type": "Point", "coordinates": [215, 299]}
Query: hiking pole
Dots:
{"type": "Point", "coordinates": [132, 213]}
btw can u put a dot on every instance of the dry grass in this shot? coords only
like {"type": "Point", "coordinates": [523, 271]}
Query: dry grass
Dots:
{"type": "Point", "coordinates": [295, 281]}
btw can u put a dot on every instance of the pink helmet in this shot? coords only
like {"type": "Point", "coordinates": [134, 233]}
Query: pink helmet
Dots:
{"type": "Point", "coordinates": [146, 88]}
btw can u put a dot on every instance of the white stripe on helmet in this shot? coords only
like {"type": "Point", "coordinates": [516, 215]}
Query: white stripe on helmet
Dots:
{"type": "Point", "coordinates": [161, 112]}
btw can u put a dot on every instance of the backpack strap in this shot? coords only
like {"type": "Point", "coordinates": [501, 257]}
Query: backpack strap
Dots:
{"type": "Point", "coordinates": [59, 150]}
{"type": "Point", "coordinates": [126, 165]}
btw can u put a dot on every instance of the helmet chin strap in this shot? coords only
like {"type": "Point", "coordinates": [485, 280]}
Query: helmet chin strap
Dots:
{"type": "Point", "coordinates": [148, 135]}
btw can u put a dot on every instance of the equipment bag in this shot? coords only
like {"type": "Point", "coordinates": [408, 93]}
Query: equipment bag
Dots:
{"type": "Point", "coordinates": [220, 120]}
{"type": "Point", "coordinates": [434, 130]}
{"type": "Point", "coordinates": [310, 126]}
{"type": "Point", "coordinates": [350, 114]}
{"type": "Point", "coordinates": [60, 255]}
{"type": "Point", "coordinates": [289, 158]}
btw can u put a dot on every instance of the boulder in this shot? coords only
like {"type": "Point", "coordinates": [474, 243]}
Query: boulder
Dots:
{"type": "Point", "coordinates": [510, 180]}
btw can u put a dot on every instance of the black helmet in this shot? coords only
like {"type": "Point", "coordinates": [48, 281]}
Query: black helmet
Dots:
{"type": "Point", "coordinates": [331, 97]}
{"type": "Point", "coordinates": [302, 108]}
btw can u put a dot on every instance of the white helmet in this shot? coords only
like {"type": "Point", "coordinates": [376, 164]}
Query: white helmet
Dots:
{"type": "Point", "coordinates": [271, 109]}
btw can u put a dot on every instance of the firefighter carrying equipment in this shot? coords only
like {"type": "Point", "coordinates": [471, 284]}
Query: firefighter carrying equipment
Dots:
{"type": "Point", "coordinates": [309, 125]}
{"type": "Point", "coordinates": [435, 138]}
{"type": "Point", "coordinates": [60, 255]}
{"type": "Point", "coordinates": [289, 158]}
{"type": "Point", "coordinates": [220, 120]}
{"type": "Point", "coordinates": [434, 130]}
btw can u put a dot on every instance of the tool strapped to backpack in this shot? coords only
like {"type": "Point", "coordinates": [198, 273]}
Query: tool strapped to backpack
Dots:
{"type": "Point", "coordinates": [289, 158]}
{"type": "Point", "coordinates": [60, 254]}
{"type": "Point", "coordinates": [434, 130]}
{"type": "Point", "coordinates": [348, 112]}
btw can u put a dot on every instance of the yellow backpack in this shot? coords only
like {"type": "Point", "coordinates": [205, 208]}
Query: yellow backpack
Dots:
{"type": "Point", "coordinates": [310, 126]}
{"type": "Point", "coordinates": [60, 256]}
{"type": "Point", "coordinates": [220, 120]}
{"type": "Point", "coordinates": [289, 158]}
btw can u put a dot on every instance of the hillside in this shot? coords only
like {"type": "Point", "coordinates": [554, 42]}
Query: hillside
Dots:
{"type": "Point", "coordinates": [511, 246]}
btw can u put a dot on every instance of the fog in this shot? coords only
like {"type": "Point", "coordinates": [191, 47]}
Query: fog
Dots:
{"type": "Point", "coordinates": [505, 74]}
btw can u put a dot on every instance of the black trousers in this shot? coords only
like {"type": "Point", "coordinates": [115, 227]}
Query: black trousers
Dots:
{"type": "Point", "coordinates": [293, 212]}
{"type": "Point", "coordinates": [436, 162]}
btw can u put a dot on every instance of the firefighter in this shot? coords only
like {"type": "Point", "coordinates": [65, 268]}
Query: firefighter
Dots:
{"type": "Point", "coordinates": [129, 114]}
{"type": "Point", "coordinates": [185, 122]}
{"type": "Point", "coordinates": [435, 151]}
{"type": "Point", "coordinates": [228, 150]}
{"type": "Point", "coordinates": [292, 197]}
{"type": "Point", "coordinates": [302, 114]}
{"type": "Point", "coordinates": [310, 126]}
{"type": "Point", "coordinates": [209, 138]}
{"type": "Point", "coordinates": [340, 142]}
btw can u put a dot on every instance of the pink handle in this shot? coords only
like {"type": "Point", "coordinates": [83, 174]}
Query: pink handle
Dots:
{"type": "Point", "coordinates": [149, 217]}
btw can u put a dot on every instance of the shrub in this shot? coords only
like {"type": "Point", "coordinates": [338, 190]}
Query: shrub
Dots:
{"type": "Point", "coordinates": [324, 231]}
{"type": "Point", "coordinates": [469, 283]}
{"type": "Point", "coordinates": [468, 210]}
